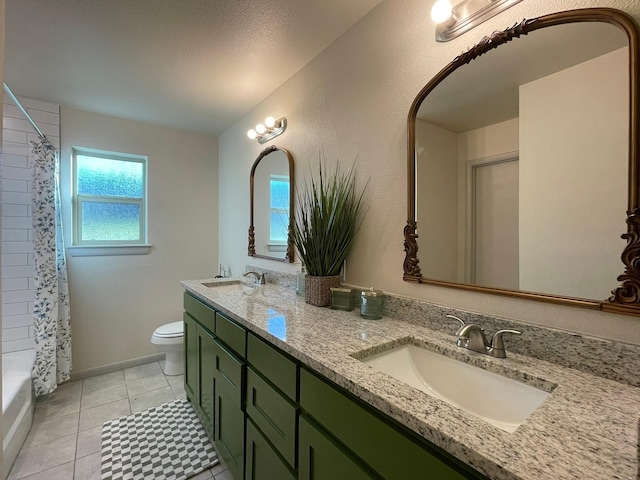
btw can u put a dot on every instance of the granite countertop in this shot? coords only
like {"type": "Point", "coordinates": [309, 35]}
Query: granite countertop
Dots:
{"type": "Point", "coordinates": [586, 429]}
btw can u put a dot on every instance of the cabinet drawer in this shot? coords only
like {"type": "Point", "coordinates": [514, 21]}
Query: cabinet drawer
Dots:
{"type": "Point", "coordinates": [262, 462]}
{"type": "Point", "coordinates": [273, 414]}
{"type": "Point", "coordinates": [322, 459]}
{"type": "Point", "coordinates": [273, 365]}
{"type": "Point", "coordinates": [228, 372]}
{"type": "Point", "coordinates": [388, 451]}
{"type": "Point", "coordinates": [232, 334]}
{"type": "Point", "coordinates": [198, 310]}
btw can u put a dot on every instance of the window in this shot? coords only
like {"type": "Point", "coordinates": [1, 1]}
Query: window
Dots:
{"type": "Point", "coordinates": [109, 198]}
{"type": "Point", "coordinates": [279, 210]}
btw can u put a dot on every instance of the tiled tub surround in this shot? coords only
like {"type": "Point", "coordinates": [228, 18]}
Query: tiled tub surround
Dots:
{"type": "Point", "coordinates": [586, 429]}
{"type": "Point", "coordinates": [17, 231]}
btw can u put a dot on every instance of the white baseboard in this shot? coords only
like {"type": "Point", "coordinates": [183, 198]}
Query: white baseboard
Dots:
{"type": "Point", "coordinates": [114, 367]}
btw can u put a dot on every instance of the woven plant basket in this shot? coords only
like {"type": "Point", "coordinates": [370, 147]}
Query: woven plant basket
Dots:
{"type": "Point", "coordinates": [317, 289]}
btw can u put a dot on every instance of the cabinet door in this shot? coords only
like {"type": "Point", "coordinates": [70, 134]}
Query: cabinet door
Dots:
{"type": "Point", "coordinates": [387, 450]}
{"type": "Point", "coordinates": [321, 459]}
{"type": "Point", "coordinates": [190, 357]}
{"type": "Point", "coordinates": [273, 414]}
{"type": "Point", "coordinates": [229, 420]}
{"type": "Point", "coordinates": [206, 372]}
{"type": "Point", "coordinates": [262, 461]}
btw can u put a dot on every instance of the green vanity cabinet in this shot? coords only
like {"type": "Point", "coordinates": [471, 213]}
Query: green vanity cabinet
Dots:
{"type": "Point", "coordinates": [203, 314]}
{"type": "Point", "coordinates": [231, 334]}
{"type": "Point", "coordinates": [198, 376]}
{"type": "Point", "coordinates": [262, 461]}
{"type": "Point", "coordinates": [205, 391]}
{"type": "Point", "coordinates": [272, 385]}
{"type": "Point", "coordinates": [278, 368]}
{"type": "Point", "coordinates": [389, 450]}
{"type": "Point", "coordinates": [322, 459]}
{"type": "Point", "coordinates": [273, 419]}
{"type": "Point", "coordinates": [229, 418]}
{"type": "Point", "coordinates": [190, 356]}
{"type": "Point", "coordinates": [215, 379]}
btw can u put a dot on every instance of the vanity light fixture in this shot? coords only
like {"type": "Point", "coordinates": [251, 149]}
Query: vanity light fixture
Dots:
{"type": "Point", "coordinates": [271, 128]}
{"type": "Point", "coordinates": [454, 20]}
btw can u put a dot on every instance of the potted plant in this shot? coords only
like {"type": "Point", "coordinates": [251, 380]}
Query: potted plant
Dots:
{"type": "Point", "coordinates": [329, 214]}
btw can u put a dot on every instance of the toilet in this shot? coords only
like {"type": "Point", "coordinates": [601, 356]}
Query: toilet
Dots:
{"type": "Point", "coordinates": [170, 339]}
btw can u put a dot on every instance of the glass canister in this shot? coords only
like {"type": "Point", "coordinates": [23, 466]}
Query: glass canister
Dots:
{"type": "Point", "coordinates": [301, 279]}
{"type": "Point", "coordinates": [341, 299]}
{"type": "Point", "coordinates": [371, 304]}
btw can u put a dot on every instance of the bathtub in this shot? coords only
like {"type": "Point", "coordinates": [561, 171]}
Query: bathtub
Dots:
{"type": "Point", "coordinates": [18, 402]}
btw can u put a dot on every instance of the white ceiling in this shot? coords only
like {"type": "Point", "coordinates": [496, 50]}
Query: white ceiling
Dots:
{"type": "Point", "coordinates": [196, 65]}
{"type": "Point", "coordinates": [486, 91]}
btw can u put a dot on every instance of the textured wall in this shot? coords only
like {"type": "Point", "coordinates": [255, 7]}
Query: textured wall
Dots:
{"type": "Point", "coordinates": [118, 301]}
{"type": "Point", "coordinates": [437, 198]}
{"type": "Point", "coordinates": [352, 101]}
{"type": "Point", "coordinates": [593, 156]}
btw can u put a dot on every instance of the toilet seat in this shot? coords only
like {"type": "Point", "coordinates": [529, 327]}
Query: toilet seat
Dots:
{"type": "Point", "coordinates": [170, 330]}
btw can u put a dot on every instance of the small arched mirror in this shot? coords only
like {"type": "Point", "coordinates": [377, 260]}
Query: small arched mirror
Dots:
{"type": "Point", "coordinates": [523, 165]}
{"type": "Point", "coordinates": [271, 184]}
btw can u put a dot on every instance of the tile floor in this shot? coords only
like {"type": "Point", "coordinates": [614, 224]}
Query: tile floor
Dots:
{"type": "Point", "coordinates": [64, 441]}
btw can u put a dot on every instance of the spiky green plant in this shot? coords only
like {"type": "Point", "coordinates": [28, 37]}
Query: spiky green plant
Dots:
{"type": "Point", "coordinates": [328, 215]}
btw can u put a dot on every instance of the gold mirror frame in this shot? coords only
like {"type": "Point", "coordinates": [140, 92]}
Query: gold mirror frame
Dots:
{"type": "Point", "coordinates": [625, 298]}
{"type": "Point", "coordinates": [252, 240]}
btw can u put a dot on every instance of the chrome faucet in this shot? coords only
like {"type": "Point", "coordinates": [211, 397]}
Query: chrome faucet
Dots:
{"type": "Point", "coordinates": [472, 337]}
{"type": "Point", "coordinates": [258, 278]}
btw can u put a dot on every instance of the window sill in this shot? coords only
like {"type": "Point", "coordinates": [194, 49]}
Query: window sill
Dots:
{"type": "Point", "coordinates": [277, 247]}
{"type": "Point", "coordinates": [108, 250]}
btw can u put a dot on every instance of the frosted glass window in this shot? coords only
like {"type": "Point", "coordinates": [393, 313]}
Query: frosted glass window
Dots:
{"type": "Point", "coordinates": [279, 227]}
{"type": "Point", "coordinates": [279, 216]}
{"type": "Point", "coordinates": [109, 198]}
{"type": "Point", "coordinates": [110, 221]}
{"type": "Point", "coordinates": [104, 176]}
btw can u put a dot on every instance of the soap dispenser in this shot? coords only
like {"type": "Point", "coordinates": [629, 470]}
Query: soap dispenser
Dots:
{"type": "Point", "coordinates": [301, 280]}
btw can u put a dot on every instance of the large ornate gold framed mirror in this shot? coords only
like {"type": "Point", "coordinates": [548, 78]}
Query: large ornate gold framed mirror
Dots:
{"type": "Point", "coordinates": [523, 165]}
{"type": "Point", "coordinates": [271, 192]}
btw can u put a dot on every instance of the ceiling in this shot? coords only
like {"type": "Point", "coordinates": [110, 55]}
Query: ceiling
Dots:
{"type": "Point", "coordinates": [197, 65]}
{"type": "Point", "coordinates": [486, 91]}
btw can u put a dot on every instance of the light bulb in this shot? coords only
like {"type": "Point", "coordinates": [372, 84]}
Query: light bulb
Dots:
{"type": "Point", "coordinates": [442, 11]}
{"type": "Point", "coordinates": [252, 134]}
{"type": "Point", "coordinates": [260, 128]}
{"type": "Point", "coordinates": [270, 122]}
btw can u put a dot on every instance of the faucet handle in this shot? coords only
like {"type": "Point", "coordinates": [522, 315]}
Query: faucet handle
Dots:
{"type": "Point", "coordinates": [497, 343]}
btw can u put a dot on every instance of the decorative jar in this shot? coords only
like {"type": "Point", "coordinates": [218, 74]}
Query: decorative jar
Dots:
{"type": "Point", "coordinates": [371, 304]}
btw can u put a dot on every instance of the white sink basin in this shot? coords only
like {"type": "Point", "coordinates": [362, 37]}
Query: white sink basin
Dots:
{"type": "Point", "coordinates": [236, 286]}
{"type": "Point", "coordinates": [498, 400]}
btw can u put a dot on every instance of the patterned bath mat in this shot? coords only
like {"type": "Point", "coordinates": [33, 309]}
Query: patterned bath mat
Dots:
{"type": "Point", "coordinates": [163, 443]}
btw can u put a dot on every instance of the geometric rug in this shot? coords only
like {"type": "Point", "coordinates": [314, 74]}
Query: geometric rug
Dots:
{"type": "Point", "coordinates": [163, 443]}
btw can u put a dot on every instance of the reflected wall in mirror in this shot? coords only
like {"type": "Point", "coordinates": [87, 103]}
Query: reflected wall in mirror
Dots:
{"type": "Point", "coordinates": [523, 162]}
{"type": "Point", "coordinates": [271, 190]}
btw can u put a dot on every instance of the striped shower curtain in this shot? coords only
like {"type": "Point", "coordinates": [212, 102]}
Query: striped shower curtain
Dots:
{"type": "Point", "coordinates": [51, 305]}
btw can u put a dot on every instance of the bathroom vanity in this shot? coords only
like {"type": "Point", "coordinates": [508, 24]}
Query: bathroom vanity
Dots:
{"type": "Point", "coordinates": [282, 389]}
